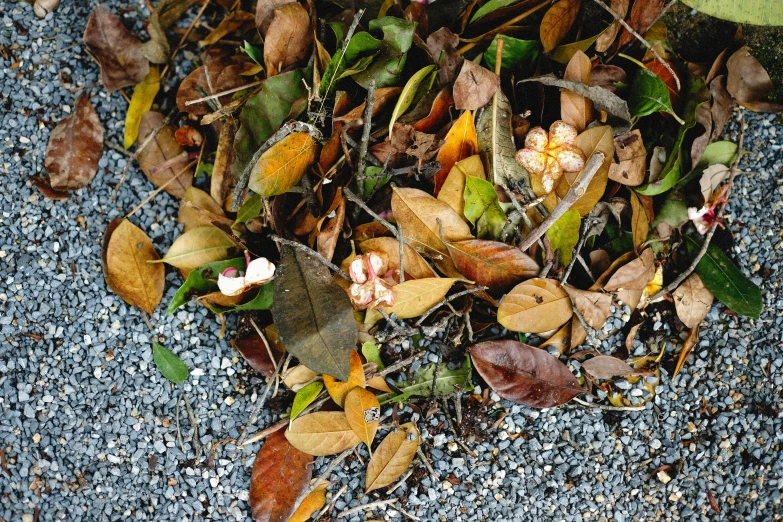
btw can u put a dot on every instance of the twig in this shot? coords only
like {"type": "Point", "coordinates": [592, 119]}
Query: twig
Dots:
{"type": "Point", "coordinates": [161, 188]}
{"type": "Point", "coordinates": [639, 37]}
{"type": "Point", "coordinates": [282, 132]}
{"type": "Point", "coordinates": [427, 464]}
{"type": "Point", "coordinates": [194, 424]}
{"type": "Point", "coordinates": [330, 507]}
{"type": "Point", "coordinates": [608, 407]}
{"type": "Point", "coordinates": [576, 192]}
{"type": "Point", "coordinates": [400, 482]}
{"type": "Point", "coordinates": [582, 238]}
{"type": "Point", "coordinates": [448, 300]}
{"type": "Point", "coordinates": [367, 129]}
{"type": "Point", "coordinates": [356, 199]}
{"type": "Point", "coordinates": [116, 147]}
{"type": "Point", "coordinates": [223, 93]}
{"type": "Point", "coordinates": [255, 412]}
{"type": "Point", "coordinates": [659, 15]}
{"type": "Point", "coordinates": [371, 505]}
{"type": "Point", "coordinates": [179, 432]}
{"type": "Point", "coordinates": [401, 241]}
{"type": "Point", "coordinates": [309, 251]}
{"type": "Point", "coordinates": [399, 365]}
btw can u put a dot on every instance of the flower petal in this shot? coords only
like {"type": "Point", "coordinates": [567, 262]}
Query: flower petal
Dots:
{"type": "Point", "coordinates": [358, 271]}
{"type": "Point", "coordinates": [537, 139]}
{"type": "Point", "coordinates": [259, 271]}
{"type": "Point", "coordinates": [531, 160]}
{"type": "Point", "coordinates": [562, 133]}
{"type": "Point", "coordinates": [231, 286]}
{"type": "Point", "coordinates": [570, 158]}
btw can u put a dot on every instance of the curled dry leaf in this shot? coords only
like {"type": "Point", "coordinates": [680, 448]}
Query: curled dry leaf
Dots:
{"type": "Point", "coordinates": [223, 75]}
{"type": "Point", "coordinates": [264, 11]}
{"type": "Point", "coordinates": [493, 264]}
{"type": "Point", "coordinates": [163, 159]}
{"type": "Point", "coordinates": [576, 109]}
{"type": "Point", "coordinates": [535, 306]}
{"type": "Point", "coordinates": [281, 474]}
{"type": "Point", "coordinates": [632, 168]}
{"type": "Point", "coordinates": [392, 457]}
{"type": "Point", "coordinates": [363, 413]}
{"type": "Point", "coordinates": [198, 247]}
{"type": "Point", "coordinates": [126, 253]}
{"type": "Point", "coordinates": [749, 82]}
{"type": "Point", "coordinates": [634, 275]}
{"type": "Point", "coordinates": [461, 142]}
{"type": "Point", "coordinates": [75, 147]}
{"type": "Point", "coordinates": [524, 374]}
{"type": "Point", "coordinates": [118, 52]}
{"type": "Point", "coordinates": [322, 433]}
{"type": "Point", "coordinates": [692, 301]}
{"type": "Point", "coordinates": [413, 298]}
{"type": "Point", "coordinates": [388, 249]}
{"type": "Point", "coordinates": [594, 306]}
{"type": "Point", "coordinates": [606, 367]}
{"type": "Point", "coordinates": [557, 22]}
{"type": "Point", "coordinates": [338, 390]}
{"type": "Point", "coordinates": [474, 87]}
{"type": "Point", "coordinates": [298, 376]}
{"type": "Point", "coordinates": [283, 165]}
{"type": "Point", "coordinates": [198, 209]}
{"type": "Point", "coordinates": [288, 38]}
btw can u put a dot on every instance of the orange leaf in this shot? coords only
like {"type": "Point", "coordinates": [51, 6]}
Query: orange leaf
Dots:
{"type": "Point", "coordinates": [557, 22]}
{"type": "Point", "coordinates": [338, 389]}
{"type": "Point", "coordinates": [283, 165]}
{"type": "Point", "coordinates": [461, 142]}
{"type": "Point", "coordinates": [314, 501]}
{"type": "Point", "coordinates": [364, 414]}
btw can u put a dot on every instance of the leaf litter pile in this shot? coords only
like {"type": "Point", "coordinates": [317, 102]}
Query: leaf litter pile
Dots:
{"type": "Point", "coordinates": [398, 200]}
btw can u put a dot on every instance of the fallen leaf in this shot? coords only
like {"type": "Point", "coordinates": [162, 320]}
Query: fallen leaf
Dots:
{"type": "Point", "coordinates": [313, 314]}
{"type": "Point", "coordinates": [687, 347]}
{"type": "Point", "coordinates": [474, 87]}
{"type": "Point", "coordinates": [198, 247]}
{"type": "Point", "coordinates": [322, 433]}
{"type": "Point", "coordinates": [363, 413]}
{"type": "Point", "coordinates": [187, 136]}
{"type": "Point", "coordinates": [461, 142]}
{"type": "Point", "coordinates": [392, 457]}
{"type": "Point", "coordinates": [557, 22]}
{"type": "Point", "coordinates": [640, 224]}
{"type": "Point", "coordinates": [642, 15]}
{"type": "Point", "coordinates": [281, 474]}
{"type": "Point", "coordinates": [576, 109]}
{"type": "Point", "coordinates": [198, 209]}
{"type": "Point", "coordinates": [314, 501]}
{"type": "Point", "coordinates": [169, 365]}
{"type": "Point", "coordinates": [224, 75]}
{"type": "Point", "coordinates": [304, 397]}
{"type": "Point", "coordinates": [163, 159]}
{"type": "Point", "coordinates": [605, 41]}
{"type": "Point", "coordinates": [634, 275]}
{"type": "Point", "coordinates": [125, 254]}
{"type": "Point", "coordinates": [433, 380]}
{"type": "Point", "coordinates": [383, 96]}
{"type": "Point", "coordinates": [593, 306]}
{"type": "Point", "coordinates": [282, 166]}
{"type": "Point", "coordinates": [692, 301]}
{"type": "Point", "coordinates": [438, 114]}
{"type": "Point", "coordinates": [75, 147]}
{"type": "Point", "coordinates": [44, 186]}
{"type": "Point", "coordinates": [143, 95]}
{"type": "Point", "coordinates": [496, 143]}
{"type": "Point", "coordinates": [329, 235]}
{"type": "Point", "coordinates": [117, 50]}
{"type": "Point", "coordinates": [598, 138]}
{"type": "Point", "coordinates": [224, 155]}
{"type": "Point", "coordinates": [482, 208]}
{"type": "Point", "coordinates": [253, 349]}
{"type": "Point", "coordinates": [412, 90]}
{"type": "Point", "coordinates": [563, 235]}
{"type": "Point", "coordinates": [338, 390]}
{"type": "Point", "coordinates": [606, 367]}
{"type": "Point", "coordinates": [632, 168]}
{"type": "Point", "coordinates": [264, 11]}
{"type": "Point", "coordinates": [235, 21]}
{"type": "Point", "coordinates": [413, 298]}
{"type": "Point", "coordinates": [388, 249]}
{"type": "Point", "coordinates": [165, 14]}
{"type": "Point", "coordinates": [297, 377]}
{"type": "Point", "coordinates": [493, 264]}
{"type": "Point", "coordinates": [712, 178]}
{"type": "Point", "coordinates": [524, 374]}
{"type": "Point", "coordinates": [453, 189]}
{"type": "Point", "coordinates": [535, 306]}
{"type": "Point", "coordinates": [288, 38]}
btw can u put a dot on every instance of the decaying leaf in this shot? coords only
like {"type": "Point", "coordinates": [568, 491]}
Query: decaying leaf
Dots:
{"type": "Point", "coordinates": [198, 247]}
{"type": "Point", "coordinates": [163, 159]}
{"type": "Point", "coordinates": [75, 147]}
{"type": "Point", "coordinates": [557, 22]}
{"type": "Point", "coordinates": [632, 168]}
{"type": "Point", "coordinates": [198, 209]}
{"type": "Point", "coordinates": [264, 11]}
{"type": "Point", "coordinates": [283, 165]}
{"type": "Point", "coordinates": [606, 367]}
{"type": "Point", "coordinates": [117, 50]}
{"type": "Point", "coordinates": [593, 306]}
{"type": "Point", "coordinates": [692, 301]}
{"type": "Point", "coordinates": [535, 306]}
{"type": "Point", "coordinates": [125, 254]}
{"type": "Point", "coordinates": [524, 374]}
{"type": "Point", "coordinates": [496, 142]}
{"type": "Point", "coordinates": [433, 380]}
{"type": "Point", "coordinates": [413, 298]}
{"type": "Point", "coordinates": [493, 264]}
{"type": "Point", "coordinates": [363, 413]}
{"type": "Point", "coordinates": [288, 37]}
{"type": "Point", "coordinates": [253, 349]}
{"type": "Point", "coordinates": [322, 433]}
{"type": "Point", "coordinates": [635, 275]}
{"type": "Point", "coordinates": [392, 457]}
{"type": "Point", "coordinates": [475, 86]}
{"type": "Point", "coordinates": [313, 314]}
{"type": "Point", "coordinates": [281, 474]}
{"type": "Point", "coordinates": [338, 390]}
{"type": "Point", "coordinates": [749, 82]}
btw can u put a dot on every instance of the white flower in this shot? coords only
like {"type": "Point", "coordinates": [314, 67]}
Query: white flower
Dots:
{"type": "Point", "coordinates": [368, 289]}
{"type": "Point", "coordinates": [258, 272]}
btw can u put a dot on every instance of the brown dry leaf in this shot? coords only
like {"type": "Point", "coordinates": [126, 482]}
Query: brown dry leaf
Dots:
{"type": "Point", "coordinates": [594, 139]}
{"type": "Point", "coordinates": [687, 347]}
{"type": "Point", "coordinates": [117, 50]}
{"type": "Point", "coordinates": [283, 165]}
{"type": "Point", "coordinates": [322, 433]}
{"type": "Point", "coordinates": [641, 17]}
{"type": "Point", "coordinates": [692, 301]}
{"type": "Point", "coordinates": [298, 376]}
{"type": "Point", "coordinates": [163, 159]}
{"type": "Point", "coordinates": [640, 224]}
{"type": "Point", "coordinates": [388, 249]}
{"type": "Point", "coordinates": [314, 501]}
{"type": "Point", "coordinates": [253, 349]}
{"type": "Point", "coordinates": [363, 413]}
{"type": "Point", "coordinates": [281, 473]}
{"type": "Point", "coordinates": [422, 218]}
{"type": "Point", "coordinates": [535, 306]}
{"type": "Point", "coordinates": [453, 189]}
{"type": "Point", "coordinates": [223, 159]}
{"type": "Point", "coordinates": [712, 178]}
{"type": "Point", "coordinates": [288, 38]}
{"type": "Point", "coordinates": [607, 37]}
{"type": "Point", "coordinates": [223, 75]}
{"type": "Point", "coordinates": [439, 112]}
{"type": "Point", "coordinates": [606, 367]}
{"type": "Point", "coordinates": [198, 209]}
{"type": "Point", "coordinates": [560, 340]}
{"type": "Point", "coordinates": [125, 255]}
{"type": "Point", "coordinates": [475, 86]}
{"type": "Point", "coordinates": [329, 235]}
{"type": "Point", "coordinates": [230, 23]}
{"type": "Point", "coordinates": [632, 168]}
{"type": "Point", "coordinates": [413, 298]}
{"type": "Point", "coordinates": [607, 77]}
{"type": "Point", "coordinates": [75, 147]}
{"type": "Point", "coordinates": [594, 306]}
{"type": "Point", "coordinates": [264, 11]}
{"type": "Point", "coordinates": [197, 247]}
{"type": "Point", "coordinates": [557, 22]}
{"type": "Point", "coordinates": [392, 457]}
{"type": "Point", "coordinates": [634, 275]}
{"type": "Point", "coordinates": [493, 264]}
{"type": "Point", "coordinates": [749, 82]}
{"type": "Point", "coordinates": [43, 185]}
{"type": "Point", "coordinates": [383, 96]}
{"type": "Point", "coordinates": [461, 142]}
{"type": "Point", "coordinates": [356, 379]}
{"type": "Point", "coordinates": [576, 109]}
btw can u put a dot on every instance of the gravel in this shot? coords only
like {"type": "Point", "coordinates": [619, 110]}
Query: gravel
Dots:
{"type": "Point", "coordinates": [89, 427]}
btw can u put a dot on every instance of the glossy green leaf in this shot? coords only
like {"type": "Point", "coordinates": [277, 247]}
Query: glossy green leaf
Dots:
{"type": "Point", "coordinates": [250, 209]}
{"type": "Point", "coordinates": [491, 6]}
{"type": "Point", "coordinates": [304, 397]}
{"type": "Point", "coordinates": [169, 365]}
{"type": "Point", "coordinates": [262, 301]}
{"type": "Point", "coordinates": [649, 95]}
{"type": "Point", "coordinates": [202, 281]}
{"type": "Point", "coordinates": [756, 12]}
{"type": "Point", "coordinates": [414, 89]}
{"type": "Point", "coordinates": [388, 65]}
{"type": "Point", "coordinates": [482, 208]}
{"type": "Point", "coordinates": [361, 47]}
{"type": "Point", "coordinates": [433, 380]}
{"type": "Point", "coordinates": [719, 153]}
{"type": "Point", "coordinates": [519, 56]}
{"type": "Point", "coordinates": [255, 54]}
{"type": "Point", "coordinates": [372, 353]}
{"type": "Point", "coordinates": [563, 235]}
{"type": "Point", "coordinates": [726, 281]}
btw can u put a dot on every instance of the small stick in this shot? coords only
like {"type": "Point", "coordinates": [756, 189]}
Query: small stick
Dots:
{"type": "Point", "coordinates": [159, 189]}
{"type": "Point", "coordinates": [400, 482]}
{"type": "Point", "coordinates": [576, 192]}
{"type": "Point", "coordinates": [371, 505]}
{"type": "Point", "coordinates": [194, 423]}
{"type": "Point", "coordinates": [330, 507]}
{"type": "Point", "coordinates": [184, 37]}
{"type": "Point", "coordinates": [223, 93]}
{"type": "Point", "coordinates": [427, 464]}
{"type": "Point", "coordinates": [608, 407]}
{"type": "Point", "coordinates": [399, 365]}
{"type": "Point", "coordinates": [639, 37]}
{"type": "Point", "coordinates": [299, 246]}
{"type": "Point", "coordinates": [367, 129]}
{"type": "Point", "coordinates": [448, 300]}
{"type": "Point", "coordinates": [356, 199]}
{"type": "Point", "coordinates": [266, 344]}
{"type": "Point", "coordinates": [401, 240]}
{"type": "Point", "coordinates": [256, 411]}
{"type": "Point", "coordinates": [582, 238]}
{"type": "Point", "coordinates": [660, 15]}
{"type": "Point", "coordinates": [179, 432]}
{"type": "Point", "coordinates": [116, 147]}
{"type": "Point", "coordinates": [328, 471]}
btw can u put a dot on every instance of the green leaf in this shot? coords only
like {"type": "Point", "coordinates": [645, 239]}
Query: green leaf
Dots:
{"type": "Point", "coordinates": [250, 209]}
{"type": "Point", "coordinates": [563, 235]}
{"type": "Point", "coordinates": [372, 180]}
{"type": "Point", "coordinates": [202, 280]}
{"type": "Point", "coordinates": [427, 379]}
{"type": "Point", "coordinates": [482, 208]}
{"type": "Point", "coordinates": [726, 282]}
{"type": "Point", "coordinates": [169, 365]}
{"type": "Point", "coordinates": [372, 353]}
{"type": "Point", "coordinates": [262, 301]}
{"type": "Point", "coordinates": [491, 6]}
{"type": "Point", "coordinates": [388, 65]}
{"type": "Point", "coordinates": [414, 89]}
{"type": "Point", "coordinates": [304, 397]}
{"type": "Point", "coordinates": [649, 94]}
{"type": "Point", "coordinates": [358, 55]}
{"type": "Point", "coordinates": [564, 53]}
{"type": "Point", "coordinates": [673, 212]}
{"type": "Point", "coordinates": [719, 153]}
{"type": "Point", "coordinates": [756, 12]}
{"type": "Point", "coordinates": [519, 56]}
{"type": "Point", "coordinates": [255, 54]}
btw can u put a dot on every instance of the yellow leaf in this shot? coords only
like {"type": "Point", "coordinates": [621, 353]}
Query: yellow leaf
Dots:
{"type": "Point", "coordinates": [198, 209]}
{"type": "Point", "coordinates": [392, 457]}
{"type": "Point", "coordinates": [453, 190]}
{"type": "Point", "coordinates": [322, 433]}
{"type": "Point", "coordinates": [557, 22]}
{"type": "Point", "coordinates": [413, 298]}
{"type": "Point", "coordinates": [143, 95]}
{"type": "Point", "coordinates": [363, 413]}
{"type": "Point", "coordinates": [283, 165]}
{"type": "Point", "coordinates": [535, 306]}
{"type": "Point", "coordinates": [338, 389]}
{"type": "Point", "coordinates": [461, 142]}
{"type": "Point", "coordinates": [314, 501]}
{"type": "Point", "coordinates": [197, 247]}
{"type": "Point", "coordinates": [594, 139]}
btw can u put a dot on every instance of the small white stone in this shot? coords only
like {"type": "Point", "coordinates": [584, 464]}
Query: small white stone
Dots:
{"type": "Point", "coordinates": [37, 438]}
{"type": "Point", "coordinates": [214, 481]}
{"type": "Point", "coordinates": [229, 400]}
